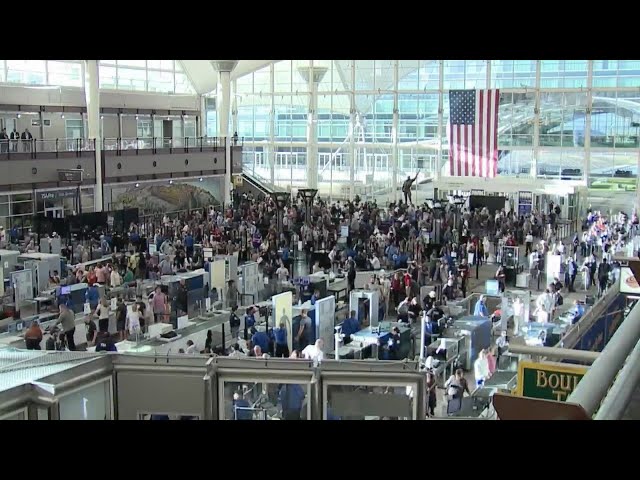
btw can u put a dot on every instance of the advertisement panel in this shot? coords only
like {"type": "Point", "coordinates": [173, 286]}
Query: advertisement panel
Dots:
{"type": "Point", "coordinates": [628, 282]}
{"type": "Point", "coordinates": [283, 313]}
{"type": "Point", "coordinates": [548, 380]}
{"type": "Point", "coordinates": [325, 320]}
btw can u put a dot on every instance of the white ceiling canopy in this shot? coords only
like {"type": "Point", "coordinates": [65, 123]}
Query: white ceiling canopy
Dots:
{"type": "Point", "coordinates": [204, 77]}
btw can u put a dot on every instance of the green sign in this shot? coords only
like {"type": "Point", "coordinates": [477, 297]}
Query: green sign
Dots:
{"type": "Point", "coordinates": [547, 380]}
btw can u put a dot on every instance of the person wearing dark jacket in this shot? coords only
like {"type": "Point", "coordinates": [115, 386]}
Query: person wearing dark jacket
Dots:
{"type": "Point", "coordinates": [105, 343]}
{"type": "Point", "coordinates": [26, 140]}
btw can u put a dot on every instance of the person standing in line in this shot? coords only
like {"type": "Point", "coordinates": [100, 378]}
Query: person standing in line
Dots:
{"type": "Point", "coordinates": [33, 336]}
{"type": "Point", "coordinates": [159, 305]}
{"type": "Point", "coordinates": [282, 347]}
{"type": "Point", "coordinates": [102, 312]}
{"type": "Point", "coordinates": [121, 318]}
{"type": "Point", "coordinates": [15, 136]}
{"type": "Point", "coordinates": [4, 141]}
{"type": "Point", "coordinates": [27, 139]}
{"type": "Point", "coordinates": [68, 321]}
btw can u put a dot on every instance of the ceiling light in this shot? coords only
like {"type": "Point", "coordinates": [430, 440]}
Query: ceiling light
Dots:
{"type": "Point", "coordinates": [137, 185]}
{"type": "Point", "coordinates": [19, 115]}
{"type": "Point", "coordinates": [62, 116]}
{"type": "Point", "coordinates": [170, 182]}
{"type": "Point", "coordinates": [200, 178]}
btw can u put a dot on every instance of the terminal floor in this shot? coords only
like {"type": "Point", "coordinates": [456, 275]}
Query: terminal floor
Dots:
{"type": "Point", "coordinates": [486, 272]}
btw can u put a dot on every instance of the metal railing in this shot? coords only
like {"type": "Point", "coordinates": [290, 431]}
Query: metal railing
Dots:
{"type": "Point", "coordinates": [24, 148]}
{"type": "Point", "coordinates": [185, 144]}
{"type": "Point", "coordinates": [607, 387]}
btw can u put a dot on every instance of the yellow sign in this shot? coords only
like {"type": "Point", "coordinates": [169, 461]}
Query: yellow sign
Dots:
{"type": "Point", "coordinates": [548, 380]}
{"type": "Point", "coordinates": [237, 180]}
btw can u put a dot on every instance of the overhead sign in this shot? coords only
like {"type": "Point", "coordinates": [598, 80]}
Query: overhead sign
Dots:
{"type": "Point", "coordinates": [57, 194]}
{"type": "Point", "coordinates": [237, 180]}
{"type": "Point", "coordinates": [548, 380]}
{"type": "Point", "coordinates": [74, 175]}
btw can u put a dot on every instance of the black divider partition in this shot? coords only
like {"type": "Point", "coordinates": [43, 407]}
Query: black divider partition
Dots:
{"type": "Point", "coordinates": [493, 203]}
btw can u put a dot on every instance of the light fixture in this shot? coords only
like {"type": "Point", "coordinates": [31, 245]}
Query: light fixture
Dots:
{"type": "Point", "coordinates": [137, 185]}
{"type": "Point", "coordinates": [200, 178]}
{"type": "Point", "coordinates": [170, 182]}
{"type": "Point", "coordinates": [137, 117]}
{"type": "Point", "coordinates": [186, 116]}
{"type": "Point", "coordinates": [62, 116]}
{"type": "Point", "coordinates": [19, 115]}
{"type": "Point", "coordinates": [101, 117]}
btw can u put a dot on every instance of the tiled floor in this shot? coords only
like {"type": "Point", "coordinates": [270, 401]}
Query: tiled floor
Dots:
{"type": "Point", "coordinates": [477, 286]}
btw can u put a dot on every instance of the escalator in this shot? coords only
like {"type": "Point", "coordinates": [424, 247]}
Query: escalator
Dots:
{"type": "Point", "coordinates": [256, 186]}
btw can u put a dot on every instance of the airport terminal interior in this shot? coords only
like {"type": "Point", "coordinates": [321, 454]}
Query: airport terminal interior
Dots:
{"type": "Point", "coordinates": [319, 239]}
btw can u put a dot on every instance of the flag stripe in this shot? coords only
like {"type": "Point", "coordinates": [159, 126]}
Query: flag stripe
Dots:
{"type": "Point", "coordinates": [473, 132]}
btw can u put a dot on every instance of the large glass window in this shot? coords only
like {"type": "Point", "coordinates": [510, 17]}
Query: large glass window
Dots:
{"type": "Point", "coordinates": [161, 81]}
{"type": "Point", "coordinates": [563, 73]}
{"type": "Point", "coordinates": [129, 79]}
{"type": "Point", "coordinates": [615, 119]}
{"type": "Point", "coordinates": [516, 119]}
{"type": "Point", "coordinates": [562, 119]}
{"type": "Point", "coordinates": [162, 76]}
{"type": "Point", "coordinates": [27, 71]}
{"type": "Point", "coordinates": [465, 74]}
{"type": "Point", "coordinates": [513, 73]}
{"type": "Point", "coordinates": [66, 74]}
{"type": "Point", "coordinates": [616, 73]}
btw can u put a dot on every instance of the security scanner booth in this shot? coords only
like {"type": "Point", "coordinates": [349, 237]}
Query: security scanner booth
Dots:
{"type": "Point", "coordinates": [249, 282]}
{"type": "Point", "coordinates": [476, 332]}
{"type": "Point", "coordinates": [51, 245]}
{"type": "Point", "coordinates": [554, 267]}
{"type": "Point", "coordinates": [194, 283]}
{"type": "Point", "coordinates": [514, 310]}
{"type": "Point", "coordinates": [309, 284]}
{"type": "Point", "coordinates": [442, 356]}
{"type": "Point", "coordinates": [43, 264]}
{"type": "Point", "coordinates": [8, 261]}
{"type": "Point", "coordinates": [372, 339]}
{"type": "Point", "coordinates": [510, 260]}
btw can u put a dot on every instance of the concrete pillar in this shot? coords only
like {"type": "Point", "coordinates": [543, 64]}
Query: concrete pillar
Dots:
{"type": "Point", "coordinates": [313, 75]}
{"type": "Point", "coordinates": [92, 96]}
{"type": "Point", "coordinates": [223, 107]}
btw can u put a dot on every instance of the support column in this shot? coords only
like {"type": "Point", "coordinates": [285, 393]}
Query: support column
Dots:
{"type": "Point", "coordinates": [92, 96]}
{"type": "Point", "coordinates": [313, 75]}
{"type": "Point", "coordinates": [352, 148]}
{"type": "Point", "coordinates": [234, 109]}
{"type": "Point", "coordinates": [536, 125]}
{"type": "Point", "coordinates": [587, 126]}
{"type": "Point", "coordinates": [202, 131]}
{"type": "Point", "coordinates": [394, 135]}
{"type": "Point", "coordinates": [270, 154]}
{"type": "Point", "coordinates": [223, 106]}
{"type": "Point", "coordinates": [441, 130]}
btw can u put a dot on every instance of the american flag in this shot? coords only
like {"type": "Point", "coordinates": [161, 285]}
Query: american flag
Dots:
{"type": "Point", "coordinates": [473, 133]}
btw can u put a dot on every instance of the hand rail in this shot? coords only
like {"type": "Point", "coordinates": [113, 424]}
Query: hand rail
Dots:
{"type": "Point", "coordinates": [35, 146]}
{"type": "Point", "coordinates": [595, 384]}
{"type": "Point", "coordinates": [615, 404]}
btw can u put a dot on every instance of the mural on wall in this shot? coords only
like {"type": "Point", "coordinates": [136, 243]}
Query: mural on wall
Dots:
{"type": "Point", "coordinates": [163, 197]}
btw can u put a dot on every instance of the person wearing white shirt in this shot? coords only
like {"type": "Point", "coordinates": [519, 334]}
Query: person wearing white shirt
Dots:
{"type": "Point", "coordinates": [314, 352]}
{"type": "Point", "coordinates": [192, 349]}
{"type": "Point", "coordinates": [115, 278]}
{"type": "Point", "coordinates": [375, 262]}
{"type": "Point", "coordinates": [481, 368]}
{"type": "Point", "coordinates": [133, 320]}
